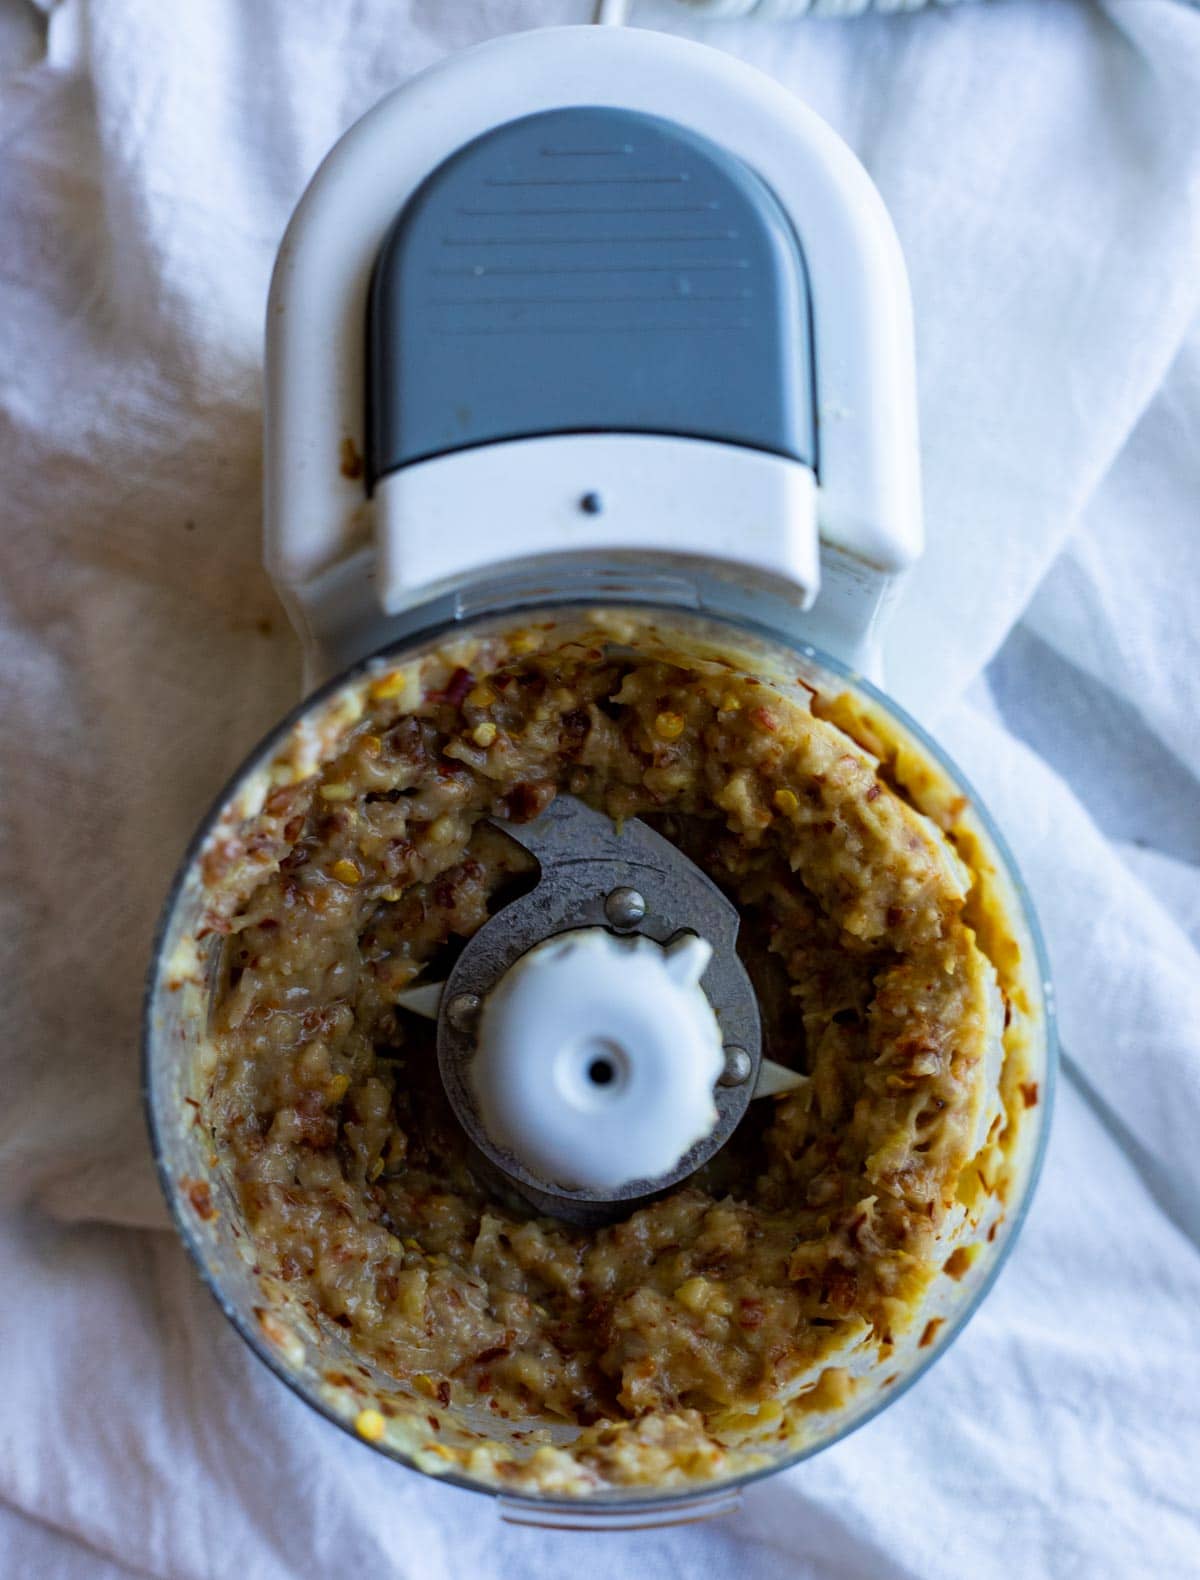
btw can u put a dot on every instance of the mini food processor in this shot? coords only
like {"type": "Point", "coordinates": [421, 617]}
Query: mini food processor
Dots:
{"type": "Point", "coordinates": [592, 330]}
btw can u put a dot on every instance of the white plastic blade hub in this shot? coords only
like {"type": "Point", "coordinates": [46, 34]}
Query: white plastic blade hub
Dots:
{"type": "Point", "coordinates": [597, 1058]}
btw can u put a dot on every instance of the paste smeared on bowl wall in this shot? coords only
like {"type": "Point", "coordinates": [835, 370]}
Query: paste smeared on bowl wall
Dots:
{"type": "Point", "coordinates": [713, 1324]}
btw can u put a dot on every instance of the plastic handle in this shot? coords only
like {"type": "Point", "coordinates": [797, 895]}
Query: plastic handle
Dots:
{"type": "Point", "coordinates": [589, 270]}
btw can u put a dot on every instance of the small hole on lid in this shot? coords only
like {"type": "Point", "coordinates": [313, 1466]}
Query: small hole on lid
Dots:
{"type": "Point", "coordinates": [601, 1072]}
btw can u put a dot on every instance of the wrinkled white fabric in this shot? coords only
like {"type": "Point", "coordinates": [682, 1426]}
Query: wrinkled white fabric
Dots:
{"type": "Point", "coordinates": [1041, 159]}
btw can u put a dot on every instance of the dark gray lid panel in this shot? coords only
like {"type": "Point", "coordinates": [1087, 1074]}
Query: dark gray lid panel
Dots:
{"type": "Point", "coordinates": [589, 270]}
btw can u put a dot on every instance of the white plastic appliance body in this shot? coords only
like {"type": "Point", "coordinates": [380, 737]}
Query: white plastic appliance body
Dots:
{"type": "Point", "coordinates": [351, 570]}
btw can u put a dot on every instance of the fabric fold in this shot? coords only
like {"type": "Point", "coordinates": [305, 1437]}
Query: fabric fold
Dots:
{"type": "Point", "coordinates": [1042, 165]}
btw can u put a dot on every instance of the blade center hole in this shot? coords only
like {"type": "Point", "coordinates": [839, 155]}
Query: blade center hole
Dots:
{"type": "Point", "coordinates": [594, 1074]}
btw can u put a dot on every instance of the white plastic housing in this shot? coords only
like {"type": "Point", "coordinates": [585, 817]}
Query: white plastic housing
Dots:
{"type": "Point", "coordinates": [676, 501]}
{"type": "Point", "coordinates": [598, 1056]}
{"type": "Point", "coordinates": [317, 515]}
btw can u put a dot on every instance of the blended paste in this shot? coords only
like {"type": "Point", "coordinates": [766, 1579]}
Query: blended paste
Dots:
{"type": "Point", "coordinates": [817, 1228]}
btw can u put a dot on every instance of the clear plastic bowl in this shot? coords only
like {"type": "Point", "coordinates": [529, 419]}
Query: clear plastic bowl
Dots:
{"type": "Point", "coordinates": [306, 1354]}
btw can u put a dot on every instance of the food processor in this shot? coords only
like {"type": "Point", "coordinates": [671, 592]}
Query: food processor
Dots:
{"type": "Point", "coordinates": [594, 325]}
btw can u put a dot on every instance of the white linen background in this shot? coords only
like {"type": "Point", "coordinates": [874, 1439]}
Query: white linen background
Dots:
{"type": "Point", "coordinates": [1041, 159]}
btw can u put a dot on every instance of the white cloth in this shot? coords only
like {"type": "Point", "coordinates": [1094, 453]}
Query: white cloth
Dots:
{"type": "Point", "coordinates": [1042, 162]}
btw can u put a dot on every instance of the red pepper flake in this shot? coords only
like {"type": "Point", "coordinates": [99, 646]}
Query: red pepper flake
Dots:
{"type": "Point", "coordinates": [528, 800]}
{"type": "Point", "coordinates": [874, 793]}
{"type": "Point", "coordinates": [216, 862]}
{"type": "Point", "coordinates": [456, 689]}
{"type": "Point", "coordinates": [765, 719]}
{"type": "Point", "coordinates": [930, 1332]}
{"type": "Point", "coordinates": [1029, 1093]}
{"type": "Point", "coordinates": [280, 799]}
{"type": "Point", "coordinates": [750, 1314]}
{"type": "Point", "coordinates": [443, 1392]}
{"type": "Point", "coordinates": [434, 1422]}
{"type": "Point", "coordinates": [199, 1194]}
{"type": "Point", "coordinates": [497, 1352]}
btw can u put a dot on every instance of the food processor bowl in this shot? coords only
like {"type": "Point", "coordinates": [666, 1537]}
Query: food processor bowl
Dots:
{"type": "Point", "coordinates": [467, 1446]}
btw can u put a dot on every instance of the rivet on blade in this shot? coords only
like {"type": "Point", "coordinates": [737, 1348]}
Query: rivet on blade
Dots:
{"type": "Point", "coordinates": [738, 1065]}
{"type": "Point", "coordinates": [624, 908]}
{"type": "Point", "coordinates": [463, 1011]}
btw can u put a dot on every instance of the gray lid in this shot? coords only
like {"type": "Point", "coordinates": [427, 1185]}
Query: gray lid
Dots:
{"type": "Point", "coordinates": [589, 270]}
